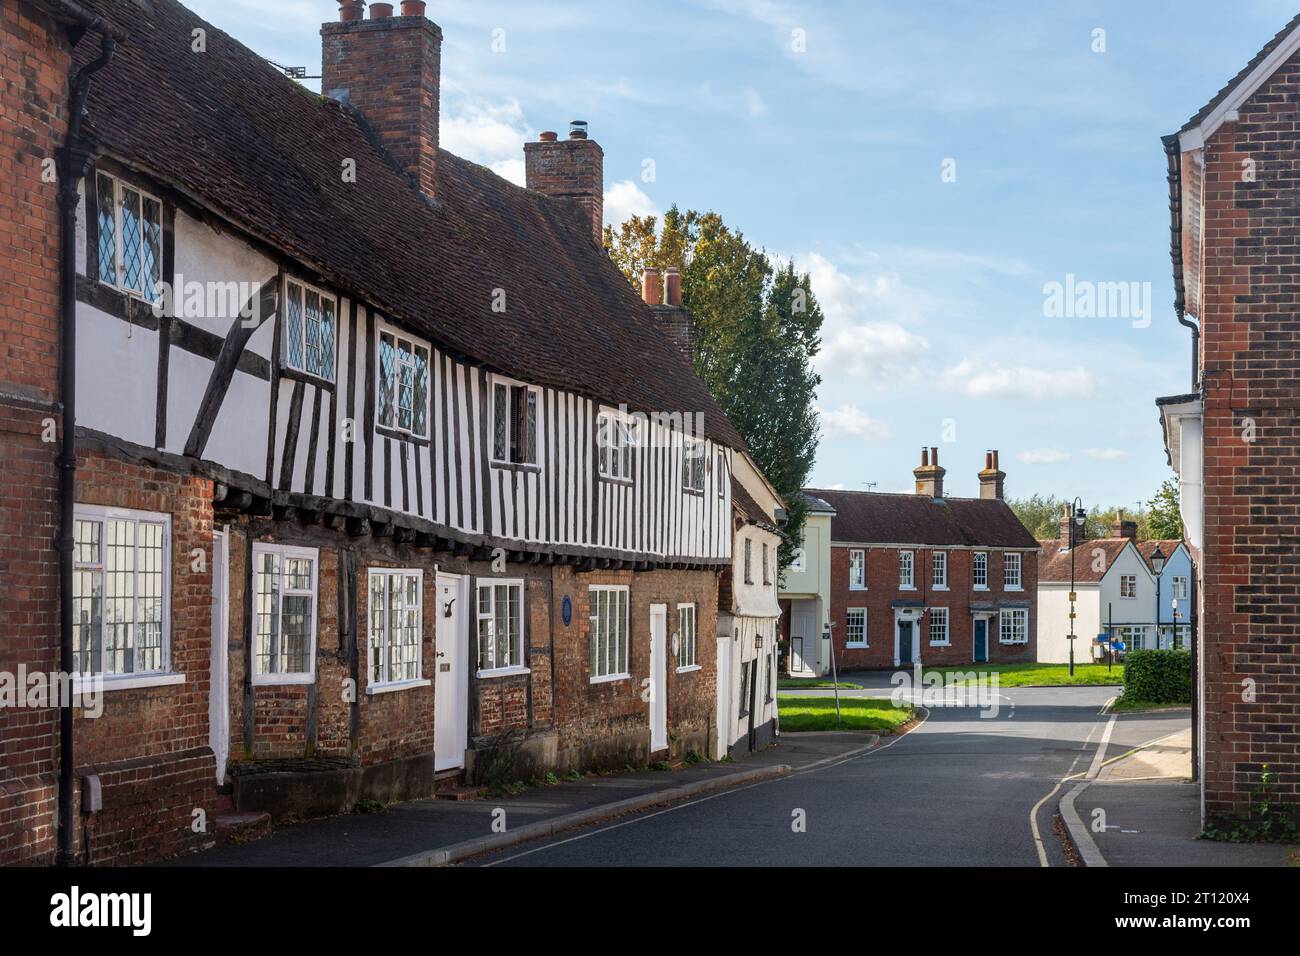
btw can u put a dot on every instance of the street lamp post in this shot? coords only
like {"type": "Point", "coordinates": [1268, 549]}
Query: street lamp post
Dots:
{"type": "Point", "coordinates": [1158, 565]}
{"type": "Point", "coordinates": [1078, 516]}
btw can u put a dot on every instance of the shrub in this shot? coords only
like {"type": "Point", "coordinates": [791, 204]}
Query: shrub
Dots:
{"type": "Point", "coordinates": [1160, 677]}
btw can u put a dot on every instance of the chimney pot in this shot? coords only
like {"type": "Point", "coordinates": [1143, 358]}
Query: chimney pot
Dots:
{"type": "Point", "coordinates": [350, 10]}
{"type": "Point", "coordinates": [381, 11]}
{"type": "Point", "coordinates": [550, 136]}
{"type": "Point", "coordinates": [934, 456]}
{"type": "Point", "coordinates": [925, 456]}
{"type": "Point", "coordinates": [991, 477]}
{"type": "Point", "coordinates": [412, 8]}
{"type": "Point", "coordinates": [578, 129]}
{"type": "Point", "coordinates": [651, 292]}
{"type": "Point", "coordinates": [572, 170]}
{"type": "Point", "coordinates": [673, 286]}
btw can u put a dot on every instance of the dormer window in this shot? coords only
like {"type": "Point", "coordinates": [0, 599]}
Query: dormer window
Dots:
{"type": "Point", "coordinates": [514, 422]}
{"type": "Point", "coordinates": [130, 238]}
{"type": "Point", "coordinates": [309, 329]}
{"type": "Point", "coordinates": [403, 388]}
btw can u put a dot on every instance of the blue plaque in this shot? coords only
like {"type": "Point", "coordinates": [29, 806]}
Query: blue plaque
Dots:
{"type": "Point", "coordinates": [566, 609]}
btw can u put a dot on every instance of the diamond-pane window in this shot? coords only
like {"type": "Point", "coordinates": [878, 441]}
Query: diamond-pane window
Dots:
{"type": "Point", "coordinates": [310, 331]}
{"type": "Point", "coordinates": [130, 238]}
{"type": "Point", "coordinates": [107, 198]}
{"type": "Point", "coordinates": [403, 385]}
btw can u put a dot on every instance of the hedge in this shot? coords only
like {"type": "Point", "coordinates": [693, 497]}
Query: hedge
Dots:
{"type": "Point", "coordinates": [1160, 677]}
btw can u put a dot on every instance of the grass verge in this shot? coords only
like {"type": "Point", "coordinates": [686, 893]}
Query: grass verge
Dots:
{"type": "Point", "coordinates": [857, 713]}
{"type": "Point", "coordinates": [812, 683]}
{"type": "Point", "coordinates": [1040, 675]}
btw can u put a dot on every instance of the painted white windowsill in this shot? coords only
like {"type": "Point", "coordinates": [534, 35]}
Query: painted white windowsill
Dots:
{"type": "Point", "coordinates": [504, 671]}
{"type": "Point", "coordinates": [391, 687]}
{"type": "Point", "coordinates": [81, 685]}
{"type": "Point", "coordinates": [939, 587]}
{"type": "Point", "coordinates": [979, 587]}
{"type": "Point", "coordinates": [688, 668]}
{"type": "Point", "coordinates": [941, 643]}
{"type": "Point", "coordinates": [907, 587]}
{"type": "Point", "coordinates": [275, 680]}
{"type": "Point", "coordinates": [855, 645]}
{"type": "Point", "coordinates": [1013, 587]}
{"type": "Point", "coordinates": [610, 678]}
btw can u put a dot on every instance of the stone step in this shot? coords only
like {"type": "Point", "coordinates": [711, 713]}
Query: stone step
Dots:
{"type": "Point", "coordinates": [242, 827]}
{"type": "Point", "coordinates": [457, 792]}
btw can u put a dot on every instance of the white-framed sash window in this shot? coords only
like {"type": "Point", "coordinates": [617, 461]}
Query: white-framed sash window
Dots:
{"type": "Point", "coordinates": [615, 439]}
{"type": "Point", "coordinates": [857, 569]}
{"type": "Point", "coordinates": [1128, 586]}
{"type": "Point", "coordinates": [284, 608]}
{"type": "Point", "coordinates": [1011, 571]}
{"type": "Point", "coordinates": [500, 625]}
{"type": "Point", "coordinates": [1180, 588]}
{"type": "Point", "coordinates": [855, 627]}
{"type": "Point", "coordinates": [121, 592]}
{"type": "Point", "coordinates": [906, 571]}
{"type": "Point", "coordinates": [686, 649]}
{"type": "Point", "coordinates": [396, 625]}
{"type": "Point", "coordinates": [939, 570]}
{"type": "Point", "coordinates": [609, 631]}
{"type": "Point", "coordinates": [693, 465]}
{"type": "Point", "coordinates": [980, 571]}
{"type": "Point", "coordinates": [1013, 626]}
{"type": "Point", "coordinates": [938, 625]}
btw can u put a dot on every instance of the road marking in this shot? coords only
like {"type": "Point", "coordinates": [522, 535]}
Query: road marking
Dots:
{"type": "Point", "coordinates": [1070, 775]}
{"type": "Point", "coordinates": [816, 767]}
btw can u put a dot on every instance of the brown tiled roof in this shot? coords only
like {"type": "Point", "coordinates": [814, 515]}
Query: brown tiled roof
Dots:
{"type": "Point", "coordinates": [233, 132]}
{"type": "Point", "coordinates": [1054, 562]}
{"type": "Point", "coordinates": [878, 517]}
{"type": "Point", "coordinates": [1245, 71]}
{"type": "Point", "coordinates": [749, 510]}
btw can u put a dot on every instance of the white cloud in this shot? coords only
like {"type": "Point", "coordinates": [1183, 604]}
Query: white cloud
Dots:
{"type": "Point", "coordinates": [992, 380]}
{"type": "Point", "coordinates": [1043, 456]}
{"type": "Point", "coordinates": [489, 133]}
{"type": "Point", "coordinates": [849, 421]}
{"type": "Point", "coordinates": [1106, 454]}
{"type": "Point", "coordinates": [625, 199]}
{"type": "Point", "coordinates": [852, 344]}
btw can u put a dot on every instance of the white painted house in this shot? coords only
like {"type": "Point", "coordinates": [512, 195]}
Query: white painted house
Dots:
{"type": "Point", "coordinates": [805, 594]}
{"type": "Point", "coordinates": [1117, 594]}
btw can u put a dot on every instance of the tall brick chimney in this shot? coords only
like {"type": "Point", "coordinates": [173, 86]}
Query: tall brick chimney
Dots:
{"type": "Point", "coordinates": [929, 476]}
{"type": "Point", "coordinates": [1124, 527]}
{"type": "Point", "coordinates": [388, 68]}
{"type": "Point", "coordinates": [572, 169]}
{"type": "Point", "coordinates": [991, 477]}
{"type": "Point", "coordinates": [1070, 531]}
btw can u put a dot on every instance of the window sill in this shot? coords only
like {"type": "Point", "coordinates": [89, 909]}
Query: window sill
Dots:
{"type": "Point", "coordinates": [854, 646]}
{"type": "Point", "coordinates": [81, 685]}
{"type": "Point", "coordinates": [503, 672]}
{"type": "Point", "coordinates": [1011, 587]}
{"type": "Point", "coordinates": [297, 374]}
{"type": "Point", "coordinates": [689, 668]}
{"type": "Point", "coordinates": [907, 587]}
{"type": "Point", "coordinates": [941, 643]}
{"type": "Point", "coordinates": [979, 587]}
{"type": "Point", "coordinates": [1014, 643]}
{"type": "Point", "coordinates": [397, 434]}
{"type": "Point", "coordinates": [616, 481]}
{"type": "Point", "coordinates": [939, 587]}
{"type": "Point", "coordinates": [282, 680]}
{"type": "Point", "coordinates": [857, 587]}
{"type": "Point", "coordinates": [394, 686]}
{"type": "Point", "coordinates": [516, 466]}
{"type": "Point", "coordinates": [610, 678]}
{"type": "Point", "coordinates": [699, 492]}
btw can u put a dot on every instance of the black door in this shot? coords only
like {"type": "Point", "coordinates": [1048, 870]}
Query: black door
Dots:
{"type": "Point", "coordinates": [904, 642]}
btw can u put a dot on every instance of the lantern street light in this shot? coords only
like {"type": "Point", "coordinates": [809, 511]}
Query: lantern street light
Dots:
{"type": "Point", "coordinates": [1158, 565]}
{"type": "Point", "coordinates": [1079, 517]}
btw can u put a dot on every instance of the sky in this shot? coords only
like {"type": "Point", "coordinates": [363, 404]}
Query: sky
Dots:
{"type": "Point", "coordinates": [944, 171]}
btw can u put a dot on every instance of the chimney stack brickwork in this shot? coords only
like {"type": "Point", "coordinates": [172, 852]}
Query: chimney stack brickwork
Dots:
{"type": "Point", "coordinates": [572, 169]}
{"type": "Point", "coordinates": [991, 477]}
{"type": "Point", "coordinates": [929, 476]}
{"type": "Point", "coordinates": [388, 68]}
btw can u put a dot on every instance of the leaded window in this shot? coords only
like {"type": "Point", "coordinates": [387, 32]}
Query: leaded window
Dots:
{"type": "Point", "coordinates": [500, 624]}
{"type": "Point", "coordinates": [120, 596]}
{"type": "Point", "coordinates": [284, 588]}
{"type": "Point", "coordinates": [403, 399]}
{"type": "Point", "coordinates": [130, 238]}
{"type": "Point", "coordinates": [310, 328]}
{"type": "Point", "coordinates": [609, 628]}
{"type": "Point", "coordinates": [396, 601]}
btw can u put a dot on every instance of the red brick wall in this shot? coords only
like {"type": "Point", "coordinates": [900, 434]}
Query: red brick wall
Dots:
{"type": "Point", "coordinates": [150, 746]}
{"type": "Point", "coordinates": [1250, 629]}
{"type": "Point", "coordinates": [882, 590]}
{"type": "Point", "coordinates": [33, 97]}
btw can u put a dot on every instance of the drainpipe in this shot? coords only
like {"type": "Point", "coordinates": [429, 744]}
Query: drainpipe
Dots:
{"type": "Point", "coordinates": [72, 160]}
{"type": "Point", "coordinates": [1174, 157]}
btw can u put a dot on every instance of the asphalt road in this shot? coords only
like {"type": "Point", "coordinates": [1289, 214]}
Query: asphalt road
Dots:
{"type": "Point", "coordinates": [958, 790]}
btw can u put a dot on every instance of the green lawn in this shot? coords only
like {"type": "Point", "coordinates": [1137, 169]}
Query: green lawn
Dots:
{"type": "Point", "coordinates": [1038, 675]}
{"type": "Point", "coordinates": [816, 683]}
{"type": "Point", "coordinates": [859, 713]}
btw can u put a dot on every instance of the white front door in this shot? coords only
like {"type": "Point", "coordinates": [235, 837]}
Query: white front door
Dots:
{"type": "Point", "coordinates": [658, 677]}
{"type": "Point", "coordinates": [218, 673]}
{"type": "Point", "coordinates": [803, 637]}
{"type": "Point", "coordinates": [451, 669]}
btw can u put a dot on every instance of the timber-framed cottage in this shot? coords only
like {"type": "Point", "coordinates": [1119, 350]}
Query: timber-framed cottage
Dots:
{"type": "Point", "coordinates": [383, 470]}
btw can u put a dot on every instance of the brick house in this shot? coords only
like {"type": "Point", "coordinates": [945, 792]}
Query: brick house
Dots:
{"type": "Point", "coordinates": [927, 577]}
{"type": "Point", "coordinates": [1234, 171]}
{"type": "Point", "coordinates": [361, 504]}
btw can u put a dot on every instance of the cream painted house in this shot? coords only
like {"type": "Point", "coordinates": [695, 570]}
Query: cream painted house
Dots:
{"type": "Point", "coordinates": [805, 594]}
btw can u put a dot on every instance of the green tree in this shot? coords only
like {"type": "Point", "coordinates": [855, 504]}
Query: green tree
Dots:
{"type": "Point", "coordinates": [757, 326]}
{"type": "Point", "coordinates": [1163, 516]}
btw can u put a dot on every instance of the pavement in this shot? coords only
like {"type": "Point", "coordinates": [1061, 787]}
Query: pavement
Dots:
{"type": "Point", "coordinates": [1142, 809]}
{"type": "Point", "coordinates": [433, 832]}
